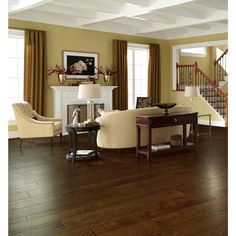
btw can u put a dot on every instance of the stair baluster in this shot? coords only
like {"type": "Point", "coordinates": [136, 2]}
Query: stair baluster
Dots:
{"type": "Point", "coordinates": [188, 75]}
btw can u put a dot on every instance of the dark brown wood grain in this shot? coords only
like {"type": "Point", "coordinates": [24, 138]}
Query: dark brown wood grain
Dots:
{"type": "Point", "coordinates": [182, 193]}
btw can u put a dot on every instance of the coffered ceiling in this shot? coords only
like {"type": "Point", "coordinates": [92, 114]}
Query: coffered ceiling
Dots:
{"type": "Point", "coordinates": [163, 19]}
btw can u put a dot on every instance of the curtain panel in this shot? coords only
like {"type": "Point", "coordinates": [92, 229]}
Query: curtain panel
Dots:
{"type": "Point", "coordinates": [154, 83]}
{"type": "Point", "coordinates": [35, 68]}
{"type": "Point", "coordinates": [120, 61]}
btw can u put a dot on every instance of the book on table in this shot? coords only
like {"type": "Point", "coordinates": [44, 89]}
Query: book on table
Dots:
{"type": "Point", "coordinates": [158, 147]}
{"type": "Point", "coordinates": [80, 154]}
{"type": "Point", "coordinates": [84, 152]}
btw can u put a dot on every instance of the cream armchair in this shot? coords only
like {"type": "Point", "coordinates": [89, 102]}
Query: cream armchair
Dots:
{"type": "Point", "coordinates": [32, 125]}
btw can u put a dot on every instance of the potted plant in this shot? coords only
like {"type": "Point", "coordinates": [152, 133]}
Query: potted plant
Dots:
{"type": "Point", "coordinates": [60, 71]}
{"type": "Point", "coordinates": [106, 72]}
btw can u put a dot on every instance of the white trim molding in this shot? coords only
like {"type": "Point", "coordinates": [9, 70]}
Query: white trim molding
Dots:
{"type": "Point", "coordinates": [13, 134]}
{"type": "Point", "coordinates": [176, 53]}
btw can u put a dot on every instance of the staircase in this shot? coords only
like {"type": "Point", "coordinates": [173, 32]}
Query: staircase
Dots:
{"type": "Point", "coordinates": [188, 75]}
{"type": "Point", "coordinates": [220, 69]}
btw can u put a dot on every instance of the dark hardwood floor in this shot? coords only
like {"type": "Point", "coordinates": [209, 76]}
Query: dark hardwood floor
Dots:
{"type": "Point", "coordinates": [175, 194]}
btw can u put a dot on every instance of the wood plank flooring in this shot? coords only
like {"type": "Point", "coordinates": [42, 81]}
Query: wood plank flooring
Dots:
{"type": "Point", "coordinates": [176, 194]}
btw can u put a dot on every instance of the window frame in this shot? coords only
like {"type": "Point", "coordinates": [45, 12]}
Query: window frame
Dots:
{"type": "Point", "coordinates": [133, 47]}
{"type": "Point", "coordinates": [16, 33]}
{"type": "Point", "coordinates": [192, 54]}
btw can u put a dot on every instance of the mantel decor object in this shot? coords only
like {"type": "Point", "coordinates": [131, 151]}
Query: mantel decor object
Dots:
{"type": "Point", "coordinates": [61, 78]}
{"type": "Point", "coordinates": [107, 79]}
{"type": "Point", "coordinates": [165, 106]}
{"type": "Point", "coordinates": [106, 72]}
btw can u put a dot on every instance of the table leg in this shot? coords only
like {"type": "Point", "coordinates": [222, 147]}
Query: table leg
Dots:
{"type": "Point", "coordinates": [93, 142]}
{"type": "Point", "coordinates": [195, 134]}
{"type": "Point", "coordinates": [138, 141]}
{"type": "Point", "coordinates": [184, 135]}
{"type": "Point", "coordinates": [74, 144]}
{"type": "Point", "coordinates": [149, 143]}
{"type": "Point", "coordinates": [210, 125]}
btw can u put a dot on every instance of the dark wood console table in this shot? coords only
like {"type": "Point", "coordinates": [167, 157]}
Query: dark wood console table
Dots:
{"type": "Point", "coordinates": [73, 153]}
{"type": "Point", "coordinates": [156, 121]}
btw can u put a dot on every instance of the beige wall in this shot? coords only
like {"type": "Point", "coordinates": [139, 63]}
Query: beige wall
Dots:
{"type": "Point", "coordinates": [61, 38]}
{"type": "Point", "coordinates": [204, 63]}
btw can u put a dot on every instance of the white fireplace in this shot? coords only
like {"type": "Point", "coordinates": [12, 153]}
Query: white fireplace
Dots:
{"type": "Point", "coordinates": [68, 95]}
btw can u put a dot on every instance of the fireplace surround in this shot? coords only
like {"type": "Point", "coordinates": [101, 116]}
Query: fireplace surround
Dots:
{"type": "Point", "coordinates": [68, 95]}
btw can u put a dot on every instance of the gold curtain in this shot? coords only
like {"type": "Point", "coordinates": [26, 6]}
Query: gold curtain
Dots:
{"type": "Point", "coordinates": [154, 73]}
{"type": "Point", "coordinates": [120, 61]}
{"type": "Point", "coordinates": [35, 68]}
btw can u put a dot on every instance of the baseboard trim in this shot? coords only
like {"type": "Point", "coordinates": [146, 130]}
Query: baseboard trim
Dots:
{"type": "Point", "coordinates": [13, 134]}
{"type": "Point", "coordinates": [217, 123]}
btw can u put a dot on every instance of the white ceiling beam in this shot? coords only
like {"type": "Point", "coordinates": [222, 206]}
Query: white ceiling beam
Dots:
{"type": "Point", "coordinates": [141, 3]}
{"type": "Point", "coordinates": [101, 6]}
{"type": "Point", "coordinates": [130, 11]}
{"type": "Point", "coordinates": [70, 11]}
{"type": "Point", "coordinates": [43, 17]}
{"type": "Point", "coordinates": [157, 16]}
{"type": "Point", "coordinates": [186, 12]}
{"type": "Point", "coordinates": [189, 22]}
{"type": "Point", "coordinates": [201, 26]}
{"type": "Point", "coordinates": [216, 4]}
{"type": "Point", "coordinates": [134, 22]}
{"type": "Point", "coordinates": [111, 26]}
{"type": "Point", "coordinates": [23, 5]}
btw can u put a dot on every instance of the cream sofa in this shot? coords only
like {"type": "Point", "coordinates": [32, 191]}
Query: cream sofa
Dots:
{"type": "Point", "coordinates": [118, 128]}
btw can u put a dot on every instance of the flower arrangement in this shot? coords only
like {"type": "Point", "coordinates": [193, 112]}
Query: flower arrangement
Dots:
{"type": "Point", "coordinates": [57, 70]}
{"type": "Point", "coordinates": [106, 70]}
{"type": "Point", "coordinates": [76, 68]}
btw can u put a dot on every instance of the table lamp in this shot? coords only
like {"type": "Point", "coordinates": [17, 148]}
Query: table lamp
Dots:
{"type": "Point", "coordinates": [89, 92]}
{"type": "Point", "coordinates": [192, 91]}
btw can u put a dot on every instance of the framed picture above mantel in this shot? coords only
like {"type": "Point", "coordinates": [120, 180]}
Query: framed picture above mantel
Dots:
{"type": "Point", "coordinates": [83, 62]}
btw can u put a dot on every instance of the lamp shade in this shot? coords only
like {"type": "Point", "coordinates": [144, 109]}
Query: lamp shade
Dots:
{"type": "Point", "coordinates": [192, 91]}
{"type": "Point", "coordinates": [89, 91]}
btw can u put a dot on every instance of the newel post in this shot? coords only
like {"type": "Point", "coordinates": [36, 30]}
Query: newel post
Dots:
{"type": "Point", "coordinates": [177, 76]}
{"type": "Point", "coordinates": [195, 74]}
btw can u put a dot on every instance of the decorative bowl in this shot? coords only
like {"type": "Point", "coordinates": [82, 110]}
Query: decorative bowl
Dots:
{"type": "Point", "coordinates": [165, 106]}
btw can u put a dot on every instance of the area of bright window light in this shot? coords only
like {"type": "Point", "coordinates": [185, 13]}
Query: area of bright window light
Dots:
{"type": "Point", "coordinates": [198, 52]}
{"type": "Point", "coordinates": [138, 56]}
{"type": "Point", "coordinates": [15, 69]}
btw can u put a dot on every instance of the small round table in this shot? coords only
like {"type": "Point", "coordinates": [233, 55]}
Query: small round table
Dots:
{"type": "Point", "coordinates": [75, 154]}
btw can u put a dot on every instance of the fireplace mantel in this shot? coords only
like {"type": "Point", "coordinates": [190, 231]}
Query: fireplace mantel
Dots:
{"type": "Point", "coordinates": [66, 95]}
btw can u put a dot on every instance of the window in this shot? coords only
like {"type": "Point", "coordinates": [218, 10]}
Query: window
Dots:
{"type": "Point", "coordinates": [194, 52]}
{"type": "Point", "coordinates": [15, 69]}
{"type": "Point", "coordinates": [138, 56]}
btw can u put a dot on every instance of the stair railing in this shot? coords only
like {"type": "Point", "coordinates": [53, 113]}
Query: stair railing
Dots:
{"type": "Point", "coordinates": [220, 68]}
{"type": "Point", "coordinates": [185, 76]}
{"type": "Point", "coordinates": [188, 75]}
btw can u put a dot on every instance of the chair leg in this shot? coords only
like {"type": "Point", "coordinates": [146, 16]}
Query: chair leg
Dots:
{"type": "Point", "coordinates": [52, 141]}
{"type": "Point", "coordinates": [61, 137]}
{"type": "Point", "coordinates": [21, 142]}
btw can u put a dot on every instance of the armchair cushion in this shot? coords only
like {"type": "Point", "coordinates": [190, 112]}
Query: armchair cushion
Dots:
{"type": "Point", "coordinates": [32, 125]}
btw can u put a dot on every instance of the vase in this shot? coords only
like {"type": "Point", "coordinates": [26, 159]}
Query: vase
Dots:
{"type": "Point", "coordinates": [107, 79]}
{"type": "Point", "coordinates": [61, 78]}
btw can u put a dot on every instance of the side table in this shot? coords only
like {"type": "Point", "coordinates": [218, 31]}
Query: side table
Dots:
{"type": "Point", "coordinates": [74, 153]}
